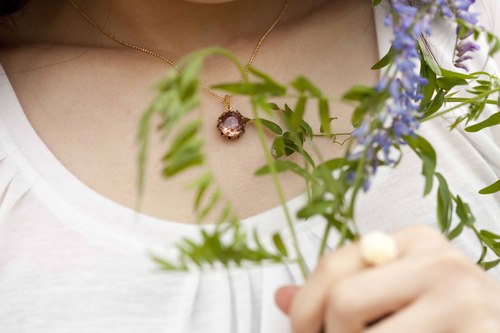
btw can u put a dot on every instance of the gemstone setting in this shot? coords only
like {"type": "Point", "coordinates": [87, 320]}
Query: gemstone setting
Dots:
{"type": "Point", "coordinates": [231, 124]}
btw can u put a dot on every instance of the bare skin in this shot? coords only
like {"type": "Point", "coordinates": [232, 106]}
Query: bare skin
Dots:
{"type": "Point", "coordinates": [85, 101]}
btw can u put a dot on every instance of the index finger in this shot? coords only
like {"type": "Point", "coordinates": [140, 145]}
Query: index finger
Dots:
{"type": "Point", "coordinates": [308, 307]}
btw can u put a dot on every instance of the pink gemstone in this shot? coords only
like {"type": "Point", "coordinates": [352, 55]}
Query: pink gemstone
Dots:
{"type": "Point", "coordinates": [232, 122]}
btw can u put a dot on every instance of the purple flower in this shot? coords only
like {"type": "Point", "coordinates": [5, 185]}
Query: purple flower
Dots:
{"type": "Point", "coordinates": [464, 47]}
{"type": "Point", "coordinates": [404, 83]}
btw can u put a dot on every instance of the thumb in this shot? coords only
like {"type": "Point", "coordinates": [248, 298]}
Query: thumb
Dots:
{"type": "Point", "coordinates": [284, 297]}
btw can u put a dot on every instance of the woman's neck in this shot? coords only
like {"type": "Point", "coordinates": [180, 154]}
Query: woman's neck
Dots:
{"type": "Point", "coordinates": [173, 27]}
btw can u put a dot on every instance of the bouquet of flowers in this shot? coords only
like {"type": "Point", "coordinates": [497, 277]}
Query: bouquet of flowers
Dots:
{"type": "Point", "coordinates": [413, 89]}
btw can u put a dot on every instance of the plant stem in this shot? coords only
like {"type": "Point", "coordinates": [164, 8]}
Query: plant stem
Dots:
{"type": "Point", "coordinates": [456, 100]}
{"type": "Point", "coordinates": [269, 158]}
{"type": "Point", "coordinates": [324, 239]}
{"type": "Point", "coordinates": [279, 189]}
{"type": "Point", "coordinates": [331, 136]}
{"type": "Point", "coordinates": [469, 100]}
{"type": "Point", "coordinates": [479, 238]}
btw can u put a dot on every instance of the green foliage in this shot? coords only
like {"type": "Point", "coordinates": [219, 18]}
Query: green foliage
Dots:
{"type": "Point", "coordinates": [368, 100]}
{"type": "Point", "coordinates": [333, 186]}
{"type": "Point", "coordinates": [450, 82]}
{"type": "Point", "coordinates": [489, 264]}
{"type": "Point", "coordinates": [493, 188]}
{"type": "Point", "coordinates": [491, 240]}
{"type": "Point", "coordinates": [324, 114]}
{"type": "Point", "coordinates": [493, 120]}
{"type": "Point", "coordinates": [280, 245]}
{"type": "Point", "coordinates": [435, 104]}
{"type": "Point", "coordinates": [427, 154]}
{"type": "Point", "coordinates": [265, 86]}
{"type": "Point", "coordinates": [427, 91]}
{"type": "Point", "coordinates": [463, 212]}
{"type": "Point", "coordinates": [177, 96]}
{"type": "Point", "coordinates": [444, 205]}
{"type": "Point", "coordinates": [186, 150]}
{"type": "Point", "coordinates": [282, 166]}
{"type": "Point", "coordinates": [386, 60]}
{"type": "Point", "coordinates": [481, 86]}
{"type": "Point", "coordinates": [273, 127]}
{"type": "Point", "coordinates": [212, 250]}
{"type": "Point", "coordinates": [303, 85]}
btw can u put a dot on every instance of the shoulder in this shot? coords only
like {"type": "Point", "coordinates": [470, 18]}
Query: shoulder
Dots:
{"type": "Point", "coordinates": [489, 17]}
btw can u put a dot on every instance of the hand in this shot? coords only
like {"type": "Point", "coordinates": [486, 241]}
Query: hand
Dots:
{"type": "Point", "coordinates": [430, 288]}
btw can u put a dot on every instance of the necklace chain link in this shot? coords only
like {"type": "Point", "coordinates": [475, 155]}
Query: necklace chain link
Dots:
{"type": "Point", "coordinates": [225, 99]}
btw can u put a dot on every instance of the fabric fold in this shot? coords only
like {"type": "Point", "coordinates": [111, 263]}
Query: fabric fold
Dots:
{"type": "Point", "coordinates": [15, 180]}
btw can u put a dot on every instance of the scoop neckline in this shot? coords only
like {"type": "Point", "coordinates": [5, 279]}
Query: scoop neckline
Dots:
{"type": "Point", "coordinates": [94, 207]}
{"type": "Point", "coordinates": [90, 207]}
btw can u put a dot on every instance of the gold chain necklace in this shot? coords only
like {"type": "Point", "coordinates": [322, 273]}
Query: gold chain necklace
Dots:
{"type": "Point", "coordinates": [230, 123]}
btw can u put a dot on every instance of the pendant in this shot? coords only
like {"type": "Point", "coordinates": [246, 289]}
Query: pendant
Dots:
{"type": "Point", "coordinates": [231, 123]}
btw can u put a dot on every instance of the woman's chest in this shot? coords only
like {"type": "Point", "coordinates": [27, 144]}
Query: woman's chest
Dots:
{"type": "Point", "coordinates": [87, 112]}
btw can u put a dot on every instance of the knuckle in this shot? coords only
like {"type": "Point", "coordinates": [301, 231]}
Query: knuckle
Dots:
{"type": "Point", "coordinates": [466, 297]}
{"type": "Point", "coordinates": [470, 296]}
{"type": "Point", "coordinates": [476, 301]}
{"type": "Point", "coordinates": [323, 266]}
{"type": "Point", "coordinates": [426, 232]}
{"type": "Point", "coordinates": [453, 260]}
{"type": "Point", "coordinates": [298, 320]}
{"type": "Point", "coordinates": [448, 261]}
{"type": "Point", "coordinates": [340, 302]}
{"type": "Point", "coordinates": [328, 264]}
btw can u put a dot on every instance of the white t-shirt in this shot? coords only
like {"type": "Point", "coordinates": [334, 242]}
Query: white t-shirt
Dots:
{"type": "Point", "coordinates": [72, 260]}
